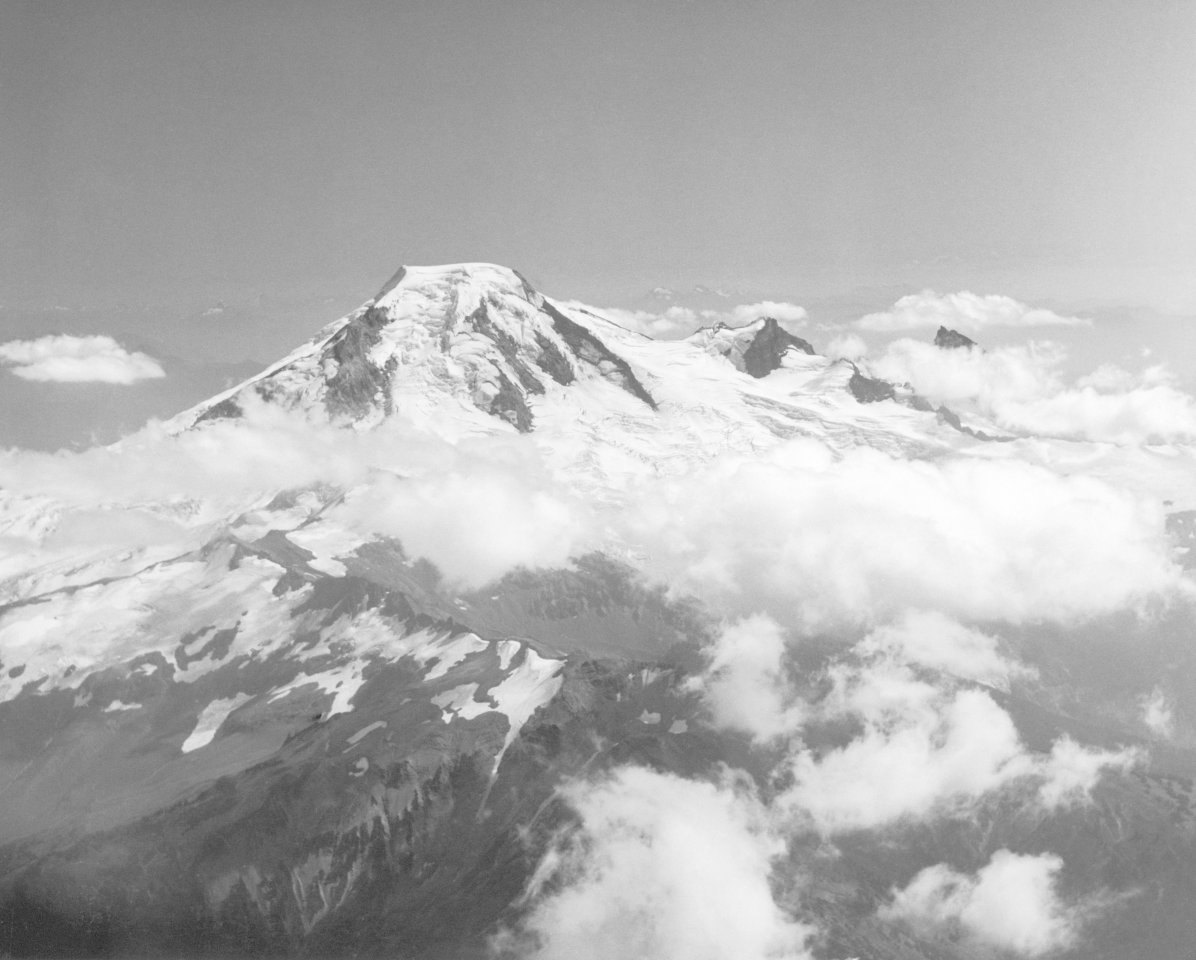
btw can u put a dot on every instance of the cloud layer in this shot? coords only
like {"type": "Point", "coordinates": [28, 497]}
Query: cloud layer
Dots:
{"type": "Point", "coordinates": [962, 311]}
{"type": "Point", "coordinates": [817, 540]}
{"type": "Point", "coordinates": [63, 358]}
{"type": "Point", "coordinates": [1022, 389]}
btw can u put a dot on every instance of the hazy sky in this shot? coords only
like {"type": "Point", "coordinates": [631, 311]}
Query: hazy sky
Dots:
{"type": "Point", "coordinates": [1040, 149]}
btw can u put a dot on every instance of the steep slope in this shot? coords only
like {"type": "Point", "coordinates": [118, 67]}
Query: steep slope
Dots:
{"type": "Point", "coordinates": [473, 334]}
{"type": "Point", "coordinates": [756, 348]}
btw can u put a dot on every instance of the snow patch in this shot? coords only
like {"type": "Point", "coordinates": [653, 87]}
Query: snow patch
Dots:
{"type": "Point", "coordinates": [451, 651]}
{"type": "Point", "coordinates": [365, 732]}
{"type": "Point", "coordinates": [506, 652]}
{"type": "Point", "coordinates": [460, 702]}
{"type": "Point", "coordinates": [528, 687]}
{"type": "Point", "coordinates": [211, 719]}
{"type": "Point", "coordinates": [341, 683]}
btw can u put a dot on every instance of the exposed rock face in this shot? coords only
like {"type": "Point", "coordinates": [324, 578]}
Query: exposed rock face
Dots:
{"type": "Point", "coordinates": [764, 353]}
{"type": "Point", "coordinates": [870, 389]}
{"type": "Point", "coordinates": [590, 349]}
{"type": "Point", "coordinates": [949, 339]}
{"type": "Point", "coordinates": [359, 382]}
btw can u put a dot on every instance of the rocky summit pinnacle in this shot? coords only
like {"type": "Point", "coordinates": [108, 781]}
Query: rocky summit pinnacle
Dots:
{"type": "Point", "coordinates": [949, 339]}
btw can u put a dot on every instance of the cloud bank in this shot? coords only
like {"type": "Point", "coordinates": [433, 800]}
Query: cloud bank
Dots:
{"type": "Point", "coordinates": [817, 541]}
{"type": "Point", "coordinates": [63, 358]}
{"type": "Point", "coordinates": [811, 539]}
{"type": "Point", "coordinates": [963, 311]}
{"type": "Point", "coordinates": [1021, 389]}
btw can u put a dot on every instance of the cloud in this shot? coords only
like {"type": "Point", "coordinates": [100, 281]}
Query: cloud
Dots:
{"type": "Point", "coordinates": [662, 867]}
{"type": "Point", "coordinates": [807, 537]}
{"type": "Point", "coordinates": [927, 747]}
{"type": "Point", "coordinates": [477, 508]}
{"type": "Point", "coordinates": [744, 684]}
{"type": "Point", "coordinates": [1021, 389]}
{"type": "Point", "coordinates": [816, 540]}
{"type": "Point", "coordinates": [788, 314]}
{"type": "Point", "coordinates": [1011, 904]}
{"type": "Point", "coordinates": [921, 754]}
{"type": "Point", "coordinates": [1073, 770]}
{"type": "Point", "coordinates": [846, 346]}
{"type": "Point", "coordinates": [475, 522]}
{"type": "Point", "coordinates": [1158, 713]}
{"type": "Point", "coordinates": [962, 311]}
{"type": "Point", "coordinates": [62, 358]}
{"type": "Point", "coordinates": [931, 639]}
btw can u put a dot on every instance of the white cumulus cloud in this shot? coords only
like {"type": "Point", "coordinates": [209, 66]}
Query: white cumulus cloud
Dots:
{"type": "Point", "coordinates": [1022, 389]}
{"type": "Point", "coordinates": [964, 311]}
{"type": "Point", "coordinates": [1011, 903]}
{"type": "Point", "coordinates": [789, 314]}
{"type": "Point", "coordinates": [846, 346]}
{"type": "Point", "coordinates": [815, 540]}
{"type": "Point", "coordinates": [662, 868]}
{"type": "Point", "coordinates": [63, 358]}
{"type": "Point", "coordinates": [931, 639]}
{"type": "Point", "coordinates": [926, 748]}
{"type": "Point", "coordinates": [745, 683]}
{"type": "Point", "coordinates": [1158, 713]}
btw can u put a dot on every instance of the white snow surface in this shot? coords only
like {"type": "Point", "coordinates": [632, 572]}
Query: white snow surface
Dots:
{"type": "Point", "coordinates": [211, 719]}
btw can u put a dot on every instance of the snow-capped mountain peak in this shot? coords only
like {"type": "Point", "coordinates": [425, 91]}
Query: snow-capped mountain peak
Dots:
{"type": "Point", "coordinates": [472, 334]}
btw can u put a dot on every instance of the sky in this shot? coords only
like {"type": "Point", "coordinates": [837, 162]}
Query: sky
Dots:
{"type": "Point", "coordinates": [162, 157]}
{"type": "Point", "coordinates": [817, 146]}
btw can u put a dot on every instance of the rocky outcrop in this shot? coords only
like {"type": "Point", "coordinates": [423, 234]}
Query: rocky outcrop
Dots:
{"type": "Point", "coordinates": [593, 351]}
{"type": "Point", "coordinates": [358, 383]}
{"type": "Point", "coordinates": [869, 389]}
{"type": "Point", "coordinates": [768, 346]}
{"type": "Point", "coordinates": [948, 339]}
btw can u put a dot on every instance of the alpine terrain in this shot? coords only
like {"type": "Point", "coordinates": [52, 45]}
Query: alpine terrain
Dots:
{"type": "Point", "coordinates": [481, 625]}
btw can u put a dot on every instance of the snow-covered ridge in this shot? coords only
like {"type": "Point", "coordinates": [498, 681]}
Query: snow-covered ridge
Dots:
{"type": "Point", "coordinates": [452, 337]}
{"type": "Point", "coordinates": [473, 349]}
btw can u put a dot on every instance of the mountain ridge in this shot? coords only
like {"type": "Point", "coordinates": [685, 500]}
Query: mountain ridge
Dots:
{"type": "Point", "coordinates": [286, 731]}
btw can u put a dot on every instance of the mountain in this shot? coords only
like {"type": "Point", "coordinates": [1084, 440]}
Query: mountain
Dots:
{"type": "Point", "coordinates": [272, 727]}
{"type": "Point", "coordinates": [952, 339]}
